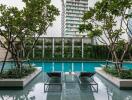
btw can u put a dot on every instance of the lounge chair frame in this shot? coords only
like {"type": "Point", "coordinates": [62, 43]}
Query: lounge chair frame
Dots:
{"type": "Point", "coordinates": [47, 85]}
{"type": "Point", "coordinates": [93, 84]}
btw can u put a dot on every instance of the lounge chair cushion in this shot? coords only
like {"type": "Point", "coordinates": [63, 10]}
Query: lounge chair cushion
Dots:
{"type": "Point", "coordinates": [86, 74]}
{"type": "Point", "coordinates": [54, 74]}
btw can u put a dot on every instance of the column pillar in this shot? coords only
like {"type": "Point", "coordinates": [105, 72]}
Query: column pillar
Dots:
{"type": "Point", "coordinates": [82, 48]}
{"type": "Point", "coordinates": [72, 47]}
{"type": "Point", "coordinates": [43, 48]}
{"type": "Point", "coordinates": [62, 47]}
{"type": "Point", "coordinates": [53, 48]}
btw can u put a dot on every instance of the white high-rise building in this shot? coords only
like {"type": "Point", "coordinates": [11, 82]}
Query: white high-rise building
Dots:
{"type": "Point", "coordinates": [130, 24]}
{"type": "Point", "coordinates": [72, 12]}
{"type": "Point", "coordinates": [3, 51]}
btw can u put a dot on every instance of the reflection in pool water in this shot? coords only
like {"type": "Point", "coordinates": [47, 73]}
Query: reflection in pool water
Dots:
{"type": "Point", "coordinates": [35, 91]}
{"type": "Point", "coordinates": [68, 66]}
{"type": "Point", "coordinates": [73, 66]}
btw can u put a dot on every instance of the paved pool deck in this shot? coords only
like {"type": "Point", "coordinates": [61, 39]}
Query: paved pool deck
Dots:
{"type": "Point", "coordinates": [35, 91]}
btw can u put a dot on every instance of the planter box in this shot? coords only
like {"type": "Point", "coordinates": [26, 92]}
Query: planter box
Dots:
{"type": "Point", "coordinates": [18, 83]}
{"type": "Point", "coordinates": [123, 84]}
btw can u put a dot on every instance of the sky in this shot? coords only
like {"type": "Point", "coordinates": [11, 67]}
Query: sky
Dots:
{"type": "Point", "coordinates": [53, 31]}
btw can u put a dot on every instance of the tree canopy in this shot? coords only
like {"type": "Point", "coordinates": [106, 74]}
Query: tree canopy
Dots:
{"type": "Point", "coordinates": [107, 15]}
{"type": "Point", "coordinates": [22, 25]}
{"type": "Point", "coordinates": [108, 21]}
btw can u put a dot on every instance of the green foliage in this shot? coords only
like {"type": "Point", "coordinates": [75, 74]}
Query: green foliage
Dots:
{"type": "Point", "coordinates": [82, 28]}
{"type": "Point", "coordinates": [18, 73]}
{"type": "Point", "coordinates": [89, 14]}
{"type": "Point", "coordinates": [95, 33]}
{"type": "Point", "coordinates": [48, 52]}
{"type": "Point", "coordinates": [91, 52]}
{"type": "Point", "coordinates": [22, 25]}
{"type": "Point", "coordinates": [18, 27]}
{"type": "Point", "coordinates": [78, 52]}
{"type": "Point", "coordinates": [111, 71]}
{"type": "Point", "coordinates": [124, 74]}
{"type": "Point", "coordinates": [103, 15]}
{"type": "Point", "coordinates": [48, 43]}
{"type": "Point", "coordinates": [107, 19]}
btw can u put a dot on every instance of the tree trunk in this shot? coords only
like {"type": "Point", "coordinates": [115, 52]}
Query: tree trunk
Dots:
{"type": "Point", "coordinates": [4, 61]}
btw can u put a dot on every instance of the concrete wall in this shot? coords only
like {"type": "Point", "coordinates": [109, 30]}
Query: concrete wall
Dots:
{"type": "Point", "coordinates": [3, 52]}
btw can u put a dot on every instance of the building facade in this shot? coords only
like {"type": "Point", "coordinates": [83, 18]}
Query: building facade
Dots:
{"type": "Point", "coordinates": [130, 24]}
{"type": "Point", "coordinates": [72, 12]}
{"type": "Point", "coordinates": [3, 51]}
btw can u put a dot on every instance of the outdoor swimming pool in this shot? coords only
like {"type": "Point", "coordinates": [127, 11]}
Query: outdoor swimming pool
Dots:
{"type": "Point", "coordinates": [72, 66]}
{"type": "Point", "coordinates": [35, 89]}
{"type": "Point", "coordinates": [68, 66]}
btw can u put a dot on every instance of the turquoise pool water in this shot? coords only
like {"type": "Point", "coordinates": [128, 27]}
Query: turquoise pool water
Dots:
{"type": "Point", "coordinates": [68, 66]}
{"type": "Point", "coordinates": [72, 66]}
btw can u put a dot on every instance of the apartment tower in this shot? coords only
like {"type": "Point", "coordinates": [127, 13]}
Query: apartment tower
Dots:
{"type": "Point", "coordinates": [72, 12]}
{"type": "Point", "coordinates": [130, 23]}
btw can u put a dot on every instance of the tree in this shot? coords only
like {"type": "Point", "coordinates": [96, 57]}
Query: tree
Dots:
{"type": "Point", "coordinates": [18, 27]}
{"type": "Point", "coordinates": [108, 21]}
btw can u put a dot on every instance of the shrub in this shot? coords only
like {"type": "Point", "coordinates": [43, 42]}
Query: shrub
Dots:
{"type": "Point", "coordinates": [124, 74]}
{"type": "Point", "coordinates": [17, 72]}
{"type": "Point", "coordinates": [111, 71]}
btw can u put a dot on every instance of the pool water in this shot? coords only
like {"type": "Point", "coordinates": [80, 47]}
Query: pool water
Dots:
{"type": "Point", "coordinates": [67, 66]}
{"type": "Point", "coordinates": [71, 91]}
{"type": "Point", "coordinates": [73, 66]}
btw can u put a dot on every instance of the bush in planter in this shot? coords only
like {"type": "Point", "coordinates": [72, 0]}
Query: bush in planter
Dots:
{"type": "Point", "coordinates": [124, 74]}
{"type": "Point", "coordinates": [16, 73]}
{"type": "Point", "coordinates": [111, 70]}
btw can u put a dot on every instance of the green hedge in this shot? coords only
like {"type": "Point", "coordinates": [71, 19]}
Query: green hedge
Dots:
{"type": "Point", "coordinates": [90, 52]}
{"type": "Point", "coordinates": [99, 52]}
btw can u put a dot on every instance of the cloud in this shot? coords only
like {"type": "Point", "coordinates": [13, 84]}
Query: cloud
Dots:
{"type": "Point", "coordinates": [55, 30]}
{"type": "Point", "coordinates": [15, 3]}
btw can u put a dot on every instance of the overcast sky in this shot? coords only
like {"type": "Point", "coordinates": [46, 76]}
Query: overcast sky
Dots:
{"type": "Point", "coordinates": [55, 30]}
